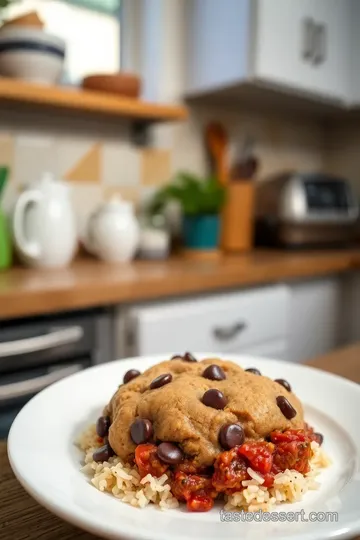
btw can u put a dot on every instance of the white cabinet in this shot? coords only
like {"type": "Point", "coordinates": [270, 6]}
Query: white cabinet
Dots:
{"type": "Point", "coordinates": [252, 321]}
{"type": "Point", "coordinates": [304, 44]}
{"type": "Point", "coordinates": [350, 314]}
{"type": "Point", "coordinates": [315, 318]}
{"type": "Point", "coordinates": [298, 45]}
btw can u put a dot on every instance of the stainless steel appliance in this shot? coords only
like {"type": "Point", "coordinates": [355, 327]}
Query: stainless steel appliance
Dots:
{"type": "Point", "coordinates": [299, 210]}
{"type": "Point", "coordinates": [36, 352]}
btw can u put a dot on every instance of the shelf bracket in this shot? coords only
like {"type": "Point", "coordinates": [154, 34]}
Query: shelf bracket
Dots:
{"type": "Point", "coordinates": [140, 133]}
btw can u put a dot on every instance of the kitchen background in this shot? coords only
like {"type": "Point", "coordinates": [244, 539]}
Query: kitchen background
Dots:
{"type": "Point", "coordinates": [282, 75]}
{"type": "Point", "coordinates": [99, 160]}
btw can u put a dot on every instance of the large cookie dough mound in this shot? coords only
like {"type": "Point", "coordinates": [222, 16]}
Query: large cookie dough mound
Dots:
{"type": "Point", "coordinates": [178, 415]}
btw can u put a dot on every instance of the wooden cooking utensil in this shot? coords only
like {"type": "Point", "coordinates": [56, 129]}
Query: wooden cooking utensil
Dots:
{"type": "Point", "coordinates": [217, 143]}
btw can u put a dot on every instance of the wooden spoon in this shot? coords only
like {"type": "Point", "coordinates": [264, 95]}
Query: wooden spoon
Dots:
{"type": "Point", "coordinates": [217, 143]}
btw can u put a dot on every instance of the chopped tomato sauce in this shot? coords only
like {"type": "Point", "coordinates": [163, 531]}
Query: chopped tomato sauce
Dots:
{"type": "Point", "coordinates": [293, 455]}
{"type": "Point", "coordinates": [290, 449]}
{"type": "Point", "coordinates": [185, 486]}
{"type": "Point", "coordinates": [312, 435]}
{"type": "Point", "coordinates": [147, 460]}
{"type": "Point", "coordinates": [230, 471]}
{"type": "Point", "coordinates": [200, 503]}
{"type": "Point", "coordinates": [259, 455]}
{"type": "Point", "coordinates": [289, 436]}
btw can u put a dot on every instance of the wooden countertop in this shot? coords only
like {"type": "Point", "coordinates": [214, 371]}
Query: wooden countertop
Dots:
{"type": "Point", "coordinates": [22, 518]}
{"type": "Point", "coordinates": [89, 283]}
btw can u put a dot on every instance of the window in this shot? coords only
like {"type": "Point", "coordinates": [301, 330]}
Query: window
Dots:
{"type": "Point", "coordinates": [91, 29]}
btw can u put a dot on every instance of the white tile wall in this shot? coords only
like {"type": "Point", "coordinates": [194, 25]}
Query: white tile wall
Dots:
{"type": "Point", "coordinates": [120, 164]}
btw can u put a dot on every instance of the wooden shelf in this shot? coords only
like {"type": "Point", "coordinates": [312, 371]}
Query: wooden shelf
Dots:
{"type": "Point", "coordinates": [86, 101]}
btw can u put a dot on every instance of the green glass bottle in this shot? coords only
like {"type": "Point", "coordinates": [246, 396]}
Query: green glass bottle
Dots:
{"type": "Point", "coordinates": [5, 235]}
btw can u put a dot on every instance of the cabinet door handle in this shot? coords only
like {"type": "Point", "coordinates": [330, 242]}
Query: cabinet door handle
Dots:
{"type": "Point", "coordinates": [308, 38]}
{"type": "Point", "coordinates": [320, 44]}
{"type": "Point", "coordinates": [230, 332]}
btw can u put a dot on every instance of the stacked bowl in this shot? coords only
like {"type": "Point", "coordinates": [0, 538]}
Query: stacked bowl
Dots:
{"type": "Point", "coordinates": [31, 54]}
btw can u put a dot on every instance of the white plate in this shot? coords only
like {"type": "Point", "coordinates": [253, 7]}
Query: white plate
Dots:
{"type": "Point", "coordinates": [45, 461]}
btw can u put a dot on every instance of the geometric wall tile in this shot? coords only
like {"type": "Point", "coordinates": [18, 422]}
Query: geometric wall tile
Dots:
{"type": "Point", "coordinates": [120, 164]}
{"type": "Point", "coordinates": [127, 193]}
{"type": "Point", "coordinates": [6, 151]}
{"type": "Point", "coordinates": [155, 167]}
{"type": "Point", "coordinates": [88, 168]}
{"type": "Point", "coordinates": [85, 197]}
{"type": "Point", "coordinates": [34, 156]}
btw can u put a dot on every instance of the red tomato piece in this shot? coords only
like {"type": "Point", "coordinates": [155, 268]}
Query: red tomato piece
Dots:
{"type": "Point", "coordinates": [268, 480]}
{"type": "Point", "coordinates": [293, 455]}
{"type": "Point", "coordinates": [259, 454]}
{"type": "Point", "coordinates": [289, 435]}
{"type": "Point", "coordinates": [184, 486]}
{"type": "Point", "coordinates": [230, 471]}
{"type": "Point", "coordinates": [148, 462]}
{"type": "Point", "coordinates": [200, 503]}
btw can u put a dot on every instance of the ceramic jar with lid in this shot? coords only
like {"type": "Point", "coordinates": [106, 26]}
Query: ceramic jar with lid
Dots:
{"type": "Point", "coordinates": [113, 231]}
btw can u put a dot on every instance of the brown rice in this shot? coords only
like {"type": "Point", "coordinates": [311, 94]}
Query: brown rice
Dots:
{"type": "Point", "coordinates": [124, 482]}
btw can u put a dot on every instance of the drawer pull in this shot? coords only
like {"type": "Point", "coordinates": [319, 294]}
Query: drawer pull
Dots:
{"type": "Point", "coordinates": [226, 333]}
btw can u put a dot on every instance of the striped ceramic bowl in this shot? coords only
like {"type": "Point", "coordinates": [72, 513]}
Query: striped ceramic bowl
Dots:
{"type": "Point", "coordinates": [31, 54]}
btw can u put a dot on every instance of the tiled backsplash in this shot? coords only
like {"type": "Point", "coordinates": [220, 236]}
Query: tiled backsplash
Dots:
{"type": "Point", "coordinates": [98, 160]}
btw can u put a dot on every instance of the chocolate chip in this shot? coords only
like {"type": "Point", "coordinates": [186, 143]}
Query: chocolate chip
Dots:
{"type": "Point", "coordinates": [319, 438]}
{"type": "Point", "coordinates": [188, 357]}
{"type": "Point", "coordinates": [231, 435]}
{"type": "Point", "coordinates": [214, 398]}
{"type": "Point", "coordinates": [253, 370]}
{"type": "Point", "coordinates": [285, 407]}
{"type": "Point", "coordinates": [103, 454]}
{"type": "Point", "coordinates": [177, 357]}
{"type": "Point", "coordinates": [102, 426]}
{"type": "Point", "coordinates": [130, 375]}
{"type": "Point", "coordinates": [214, 373]}
{"type": "Point", "coordinates": [284, 383]}
{"type": "Point", "coordinates": [170, 453]}
{"type": "Point", "coordinates": [161, 380]}
{"type": "Point", "coordinates": [141, 430]}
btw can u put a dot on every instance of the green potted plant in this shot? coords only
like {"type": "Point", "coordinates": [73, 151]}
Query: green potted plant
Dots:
{"type": "Point", "coordinates": [201, 201]}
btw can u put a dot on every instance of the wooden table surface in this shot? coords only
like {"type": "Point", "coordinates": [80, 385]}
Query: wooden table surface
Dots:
{"type": "Point", "coordinates": [22, 518]}
{"type": "Point", "coordinates": [90, 283]}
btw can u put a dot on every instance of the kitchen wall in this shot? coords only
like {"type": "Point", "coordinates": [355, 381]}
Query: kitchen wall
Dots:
{"type": "Point", "coordinates": [98, 160]}
{"type": "Point", "coordinates": [342, 154]}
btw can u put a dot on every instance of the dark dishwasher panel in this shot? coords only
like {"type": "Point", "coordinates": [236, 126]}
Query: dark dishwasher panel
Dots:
{"type": "Point", "coordinates": [16, 389]}
{"type": "Point", "coordinates": [39, 351]}
{"type": "Point", "coordinates": [32, 342]}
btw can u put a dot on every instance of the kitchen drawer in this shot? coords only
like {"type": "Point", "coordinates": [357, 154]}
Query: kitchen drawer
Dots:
{"type": "Point", "coordinates": [221, 323]}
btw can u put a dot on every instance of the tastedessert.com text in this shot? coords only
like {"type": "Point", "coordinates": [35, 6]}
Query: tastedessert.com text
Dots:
{"type": "Point", "coordinates": [282, 517]}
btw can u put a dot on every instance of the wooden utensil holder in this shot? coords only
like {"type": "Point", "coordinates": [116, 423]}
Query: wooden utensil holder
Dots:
{"type": "Point", "coordinates": [237, 222]}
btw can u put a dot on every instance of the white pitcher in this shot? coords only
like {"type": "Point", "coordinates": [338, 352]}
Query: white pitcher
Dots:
{"type": "Point", "coordinates": [44, 225]}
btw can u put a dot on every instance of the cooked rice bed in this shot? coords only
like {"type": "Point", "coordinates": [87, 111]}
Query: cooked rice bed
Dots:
{"type": "Point", "coordinates": [124, 482]}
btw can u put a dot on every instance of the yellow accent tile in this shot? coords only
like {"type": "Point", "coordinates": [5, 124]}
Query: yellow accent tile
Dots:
{"type": "Point", "coordinates": [128, 193]}
{"type": "Point", "coordinates": [6, 151]}
{"type": "Point", "coordinates": [155, 167]}
{"type": "Point", "coordinates": [88, 168]}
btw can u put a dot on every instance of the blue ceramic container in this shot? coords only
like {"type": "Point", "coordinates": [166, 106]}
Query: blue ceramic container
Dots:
{"type": "Point", "coordinates": [201, 231]}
